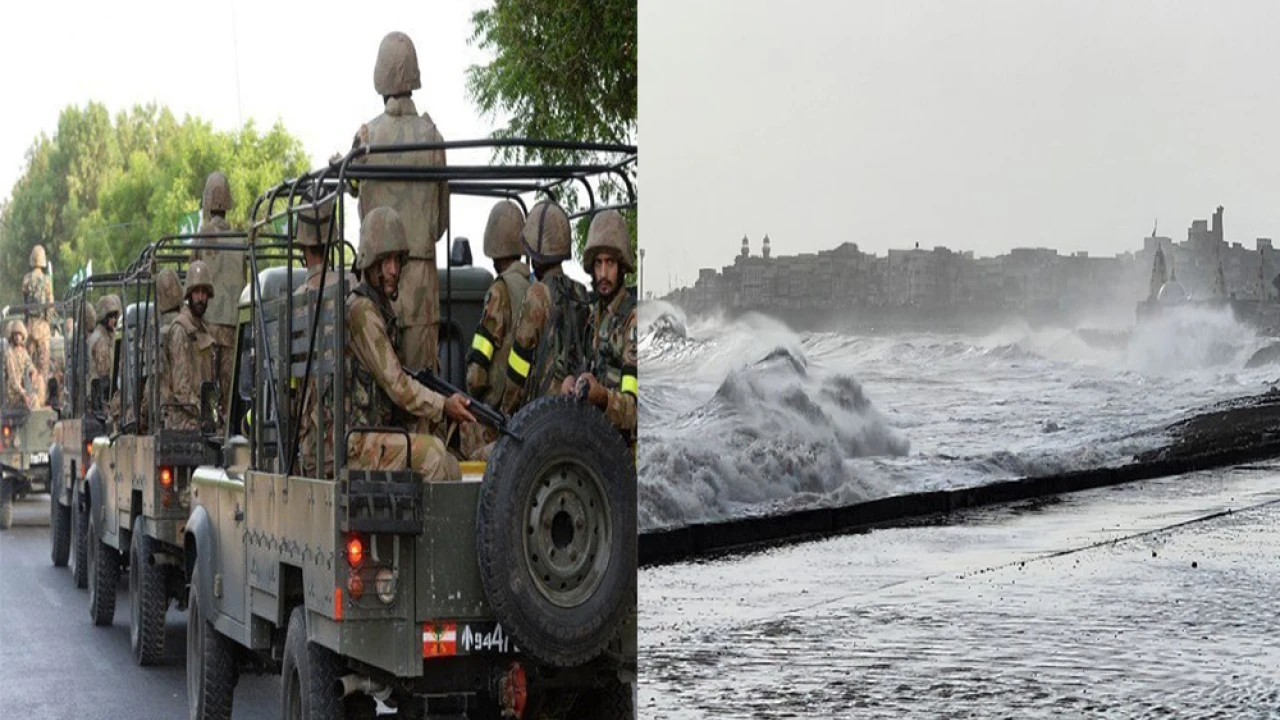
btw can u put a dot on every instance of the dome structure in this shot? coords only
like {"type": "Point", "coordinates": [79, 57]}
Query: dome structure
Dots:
{"type": "Point", "coordinates": [1172, 292]}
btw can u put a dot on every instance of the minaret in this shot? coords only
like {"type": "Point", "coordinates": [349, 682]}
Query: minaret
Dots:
{"type": "Point", "coordinates": [766, 247]}
{"type": "Point", "coordinates": [1159, 274]}
{"type": "Point", "coordinates": [746, 247]}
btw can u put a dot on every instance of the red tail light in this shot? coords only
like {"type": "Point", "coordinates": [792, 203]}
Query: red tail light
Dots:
{"type": "Point", "coordinates": [355, 551]}
{"type": "Point", "coordinates": [166, 477]}
{"type": "Point", "coordinates": [515, 690]}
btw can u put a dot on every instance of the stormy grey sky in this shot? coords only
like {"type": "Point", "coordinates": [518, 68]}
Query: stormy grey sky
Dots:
{"type": "Point", "coordinates": [981, 125]}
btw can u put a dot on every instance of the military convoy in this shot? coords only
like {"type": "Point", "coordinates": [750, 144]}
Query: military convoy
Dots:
{"type": "Point", "coordinates": [25, 433]}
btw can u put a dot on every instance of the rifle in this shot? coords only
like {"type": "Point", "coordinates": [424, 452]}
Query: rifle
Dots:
{"type": "Point", "coordinates": [487, 414]}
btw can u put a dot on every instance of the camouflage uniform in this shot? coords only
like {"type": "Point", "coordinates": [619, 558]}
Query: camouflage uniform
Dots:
{"type": "Point", "coordinates": [37, 289]}
{"type": "Point", "coordinates": [187, 361]}
{"type": "Point", "coordinates": [491, 345]}
{"type": "Point", "coordinates": [228, 268]}
{"type": "Point", "coordinates": [21, 379]}
{"type": "Point", "coordinates": [549, 342]}
{"type": "Point", "coordinates": [612, 326]}
{"type": "Point", "coordinates": [168, 304]}
{"type": "Point", "coordinates": [102, 349]}
{"type": "Point", "coordinates": [423, 206]}
{"type": "Point", "coordinates": [379, 392]}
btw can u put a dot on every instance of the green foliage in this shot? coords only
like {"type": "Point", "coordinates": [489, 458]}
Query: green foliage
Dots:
{"type": "Point", "coordinates": [564, 70]}
{"type": "Point", "coordinates": [101, 189]}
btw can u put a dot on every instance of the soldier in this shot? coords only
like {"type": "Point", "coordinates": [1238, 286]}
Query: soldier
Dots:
{"type": "Point", "coordinates": [611, 383]}
{"type": "Point", "coordinates": [168, 303]}
{"type": "Point", "coordinates": [228, 273]}
{"type": "Point", "coordinates": [313, 234]}
{"type": "Point", "coordinates": [549, 337]}
{"type": "Point", "coordinates": [37, 289]}
{"type": "Point", "coordinates": [423, 207]}
{"type": "Point", "coordinates": [21, 379]}
{"type": "Point", "coordinates": [379, 391]}
{"type": "Point", "coordinates": [487, 361]}
{"type": "Point", "coordinates": [102, 346]}
{"type": "Point", "coordinates": [187, 360]}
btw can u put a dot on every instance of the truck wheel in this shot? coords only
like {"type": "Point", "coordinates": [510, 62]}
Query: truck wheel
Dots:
{"type": "Point", "coordinates": [104, 578]}
{"type": "Point", "coordinates": [211, 666]}
{"type": "Point", "coordinates": [59, 533]}
{"type": "Point", "coordinates": [80, 543]}
{"type": "Point", "coordinates": [556, 531]}
{"type": "Point", "coordinates": [309, 679]}
{"type": "Point", "coordinates": [6, 502]}
{"type": "Point", "coordinates": [148, 598]}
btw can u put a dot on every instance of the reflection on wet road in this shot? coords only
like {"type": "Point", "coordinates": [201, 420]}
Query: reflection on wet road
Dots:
{"type": "Point", "coordinates": [1152, 600]}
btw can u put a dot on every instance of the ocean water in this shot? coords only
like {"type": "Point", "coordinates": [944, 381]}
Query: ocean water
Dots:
{"type": "Point", "coordinates": [745, 416]}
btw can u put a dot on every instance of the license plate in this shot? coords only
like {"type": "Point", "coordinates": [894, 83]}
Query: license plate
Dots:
{"type": "Point", "coordinates": [479, 638]}
{"type": "Point", "coordinates": [40, 458]}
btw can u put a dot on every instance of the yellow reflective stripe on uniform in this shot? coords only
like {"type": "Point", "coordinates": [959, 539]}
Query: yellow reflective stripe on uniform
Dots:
{"type": "Point", "coordinates": [518, 365]}
{"type": "Point", "coordinates": [630, 384]}
{"type": "Point", "coordinates": [482, 345]}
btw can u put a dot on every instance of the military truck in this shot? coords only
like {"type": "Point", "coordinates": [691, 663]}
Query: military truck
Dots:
{"type": "Point", "coordinates": [510, 593]}
{"type": "Point", "coordinates": [25, 437]}
{"type": "Point", "coordinates": [138, 482]}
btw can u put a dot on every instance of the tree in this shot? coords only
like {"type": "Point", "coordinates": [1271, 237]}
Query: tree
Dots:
{"type": "Point", "coordinates": [101, 190]}
{"type": "Point", "coordinates": [562, 69]}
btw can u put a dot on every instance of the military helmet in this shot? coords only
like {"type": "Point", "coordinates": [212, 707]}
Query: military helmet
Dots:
{"type": "Point", "coordinates": [381, 234]}
{"type": "Point", "coordinates": [313, 224]}
{"type": "Point", "coordinates": [396, 71]}
{"type": "Point", "coordinates": [608, 232]}
{"type": "Point", "coordinates": [107, 305]}
{"type": "Point", "coordinates": [217, 193]}
{"type": "Point", "coordinates": [16, 326]}
{"type": "Point", "coordinates": [37, 257]}
{"type": "Point", "coordinates": [198, 276]}
{"type": "Point", "coordinates": [546, 233]}
{"type": "Point", "coordinates": [168, 290]}
{"type": "Point", "coordinates": [502, 233]}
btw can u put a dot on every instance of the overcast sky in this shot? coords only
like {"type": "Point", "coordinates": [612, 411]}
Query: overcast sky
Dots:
{"type": "Point", "coordinates": [981, 125]}
{"type": "Point", "coordinates": [218, 60]}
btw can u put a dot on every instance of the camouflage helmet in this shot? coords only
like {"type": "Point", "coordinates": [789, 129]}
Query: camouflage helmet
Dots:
{"type": "Point", "coordinates": [312, 228]}
{"type": "Point", "coordinates": [608, 233]}
{"type": "Point", "coordinates": [217, 193]}
{"type": "Point", "coordinates": [88, 317]}
{"type": "Point", "coordinates": [107, 305]}
{"type": "Point", "coordinates": [546, 233]}
{"type": "Point", "coordinates": [16, 327]}
{"type": "Point", "coordinates": [396, 71]}
{"type": "Point", "coordinates": [381, 234]}
{"type": "Point", "coordinates": [37, 257]}
{"type": "Point", "coordinates": [502, 233]}
{"type": "Point", "coordinates": [198, 276]}
{"type": "Point", "coordinates": [168, 290]}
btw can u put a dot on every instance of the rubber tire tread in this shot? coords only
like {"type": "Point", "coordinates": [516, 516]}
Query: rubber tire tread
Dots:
{"type": "Point", "coordinates": [106, 576]}
{"type": "Point", "coordinates": [318, 668]}
{"type": "Point", "coordinates": [217, 667]}
{"type": "Point", "coordinates": [59, 533]}
{"type": "Point", "coordinates": [80, 540]}
{"type": "Point", "coordinates": [557, 636]}
{"type": "Point", "coordinates": [153, 598]}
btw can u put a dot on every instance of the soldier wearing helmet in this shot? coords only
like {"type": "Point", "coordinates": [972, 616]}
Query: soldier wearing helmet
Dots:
{"type": "Point", "coordinates": [378, 390]}
{"type": "Point", "coordinates": [491, 345]}
{"type": "Point", "coordinates": [549, 336]}
{"type": "Point", "coordinates": [611, 382]}
{"type": "Point", "coordinates": [168, 303]}
{"type": "Point", "coordinates": [228, 274]}
{"type": "Point", "coordinates": [21, 378]}
{"type": "Point", "coordinates": [423, 207]}
{"type": "Point", "coordinates": [102, 348]}
{"type": "Point", "coordinates": [187, 355]}
{"type": "Point", "coordinates": [37, 294]}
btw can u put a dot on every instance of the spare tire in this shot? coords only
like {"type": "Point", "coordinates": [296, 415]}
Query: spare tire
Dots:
{"type": "Point", "coordinates": [556, 531]}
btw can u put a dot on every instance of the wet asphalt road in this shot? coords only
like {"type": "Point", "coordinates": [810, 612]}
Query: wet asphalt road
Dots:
{"type": "Point", "coordinates": [1159, 599]}
{"type": "Point", "coordinates": [55, 664]}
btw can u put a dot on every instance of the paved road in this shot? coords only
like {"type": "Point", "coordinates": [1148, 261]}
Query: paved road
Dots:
{"type": "Point", "coordinates": [1157, 599]}
{"type": "Point", "coordinates": [56, 664]}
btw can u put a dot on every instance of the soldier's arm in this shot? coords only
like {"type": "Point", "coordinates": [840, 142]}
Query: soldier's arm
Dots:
{"type": "Point", "coordinates": [621, 409]}
{"type": "Point", "coordinates": [184, 386]}
{"type": "Point", "coordinates": [525, 345]}
{"type": "Point", "coordinates": [442, 194]}
{"type": "Point", "coordinates": [488, 338]}
{"type": "Point", "coordinates": [367, 335]}
{"type": "Point", "coordinates": [102, 357]}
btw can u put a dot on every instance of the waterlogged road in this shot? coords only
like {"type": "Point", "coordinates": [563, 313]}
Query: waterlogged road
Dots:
{"type": "Point", "coordinates": [56, 664]}
{"type": "Point", "coordinates": [1156, 599]}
